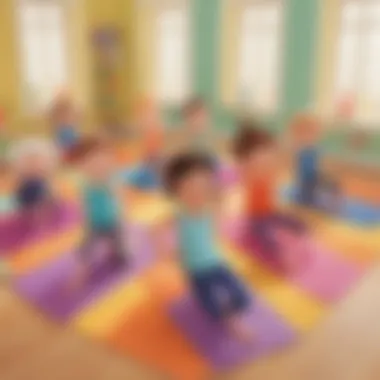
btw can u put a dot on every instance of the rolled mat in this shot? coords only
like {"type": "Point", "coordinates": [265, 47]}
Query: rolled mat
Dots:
{"type": "Point", "coordinates": [353, 210]}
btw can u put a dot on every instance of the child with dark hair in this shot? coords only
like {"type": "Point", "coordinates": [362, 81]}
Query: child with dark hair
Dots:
{"type": "Point", "coordinates": [34, 161]}
{"type": "Point", "coordinates": [102, 206]}
{"type": "Point", "coordinates": [256, 154]}
{"type": "Point", "coordinates": [190, 180]}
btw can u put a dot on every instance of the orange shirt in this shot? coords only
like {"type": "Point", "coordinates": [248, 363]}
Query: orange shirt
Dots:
{"type": "Point", "coordinates": [260, 197]}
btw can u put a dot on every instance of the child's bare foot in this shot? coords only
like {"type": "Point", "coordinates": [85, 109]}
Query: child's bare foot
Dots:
{"type": "Point", "coordinates": [240, 330]}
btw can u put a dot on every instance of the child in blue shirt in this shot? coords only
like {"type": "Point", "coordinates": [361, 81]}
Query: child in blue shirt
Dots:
{"type": "Point", "coordinates": [102, 206]}
{"type": "Point", "coordinates": [312, 182]}
{"type": "Point", "coordinates": [190, 179]}
{"type": "Point", "coordinates": [64, 118]}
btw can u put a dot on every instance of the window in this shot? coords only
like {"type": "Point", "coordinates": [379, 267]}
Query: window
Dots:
{"type": "Point", "coordinates": [171, 74]}
{"type": "Point", "coordinates": [43, 37]}
{"type": "Point", "coordinates": [356, 93]}
{"type": "Point", "coordinates": [258, 71]}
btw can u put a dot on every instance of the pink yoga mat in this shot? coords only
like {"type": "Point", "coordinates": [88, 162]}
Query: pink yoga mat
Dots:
{"type": "Point", "coordinates": [15, 233]}
{"type": "Point", "coordinates": [325, 274]}
{"type": "Point", "coordinates": [212, 340]}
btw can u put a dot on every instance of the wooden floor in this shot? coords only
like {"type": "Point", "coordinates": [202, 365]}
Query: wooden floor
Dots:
{"type": "Point", "coordinates": [345, 347]}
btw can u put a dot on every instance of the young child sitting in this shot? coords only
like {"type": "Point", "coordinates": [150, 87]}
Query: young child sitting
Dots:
{"type": "Point", "coordinates": [190, 180]}
{"type": "Point", "coordinates": [277, 233]}
{"type": "Point", "coordinates": [34, 161]}
{"type": "Point", "coordinates": [64, 119]}
{"type": "Point", "coordinates": [311, 182]}
{"type": "Point", "coordinates": [103, 209]}
{"type": "Point", "coordinates": [151, 126]}
{"type": "Point", "coordinates": [198, 134]}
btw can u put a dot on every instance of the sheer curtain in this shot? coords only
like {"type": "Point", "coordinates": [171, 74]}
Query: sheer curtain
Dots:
{"type": "Point", "coordinates": [172, 52]}
{"type": "Point", "coordinates": [358, 61]}
{"type": "Point", "coordinates": [43, 35]}
{"type": "Point", "coordinates": [259, 55]}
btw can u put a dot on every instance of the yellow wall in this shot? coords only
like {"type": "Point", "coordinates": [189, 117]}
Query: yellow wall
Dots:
{"type": "Point", "coordinates": [9, 83]}
{"type": "Point", "coordinates": [85, 15]}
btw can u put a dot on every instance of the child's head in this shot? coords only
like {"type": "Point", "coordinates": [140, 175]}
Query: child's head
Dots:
{"type": "Point", "coordinates": [94, 157]}
{"type": "Point", "coordinates": [190, 178]}
{"type": "Point", "coordinates": [63, 110]}
{"type": "Point", "coordinates": [195, 114]}
{"type": "Point", "coordinates": [255, 150]}
{"type": "Point", "coordinates": [34, 157]}
{"type": "Point", "coordinates": [305, 128]}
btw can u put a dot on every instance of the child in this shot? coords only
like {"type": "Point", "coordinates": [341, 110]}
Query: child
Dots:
{"type": "Point", "coordinates": [189, 178]}
{"type": "Point", "coordinates": [151, 127]}
{"type": "Point", "coordinates": [306, 131]}
{"type": "Point", "coordinates": [64, 118]}
{"type": "Point", "coordinates": [34, 161]}
{"type": "Point", "coordinates": [257, 157]}
{"type": "Point", "coordinates": [102, 207]}
{"type": "Point", "coordinates": [198, 134]}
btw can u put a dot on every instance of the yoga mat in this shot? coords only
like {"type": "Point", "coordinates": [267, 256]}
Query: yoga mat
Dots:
{"type": "Point", "coordinates": [352, 209]}
{"type": "Point", "coordinates": [48, 287]}
{"type": "Point", "coordinates": [324, 274]}
{"type": "Point", "coordinates": [224, 352]}
{"type": "Point", "coordinates": [14, 234]}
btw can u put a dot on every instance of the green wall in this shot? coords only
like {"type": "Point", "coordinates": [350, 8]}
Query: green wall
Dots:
{"type": "Point", "coordinates": [300, 30]}
{"type": "Point", "coordinates": [301, 24]}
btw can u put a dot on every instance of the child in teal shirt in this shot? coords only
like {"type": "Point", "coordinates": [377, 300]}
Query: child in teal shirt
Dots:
{"type": "Point", "coordinates": [190, 179]}
{"type": "Point", "coordinates": [101, 204]}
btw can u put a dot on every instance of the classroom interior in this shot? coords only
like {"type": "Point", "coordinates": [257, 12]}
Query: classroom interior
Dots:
{"type": "Point", "coordinates": [264, 59]}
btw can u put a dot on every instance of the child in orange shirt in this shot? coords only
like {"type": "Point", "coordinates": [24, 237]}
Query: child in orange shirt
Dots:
{"type": "Point", "coordinates": [256, 154]}
{"type": "Point", "coordinates": [151, 127]}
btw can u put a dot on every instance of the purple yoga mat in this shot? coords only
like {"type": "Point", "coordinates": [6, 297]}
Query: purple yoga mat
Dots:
{"type": "Point", "coordinates": [48, 287]}
{"type": "Point", "coordinates": [15, 234]}
{"type": "Point", "coordinates": [325, 273]}
{"type": "Point", "coordinates": [213, 341]}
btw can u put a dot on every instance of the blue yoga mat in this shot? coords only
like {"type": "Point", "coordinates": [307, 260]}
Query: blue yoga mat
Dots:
{"type": "Point", "coordinates": [352, 209]}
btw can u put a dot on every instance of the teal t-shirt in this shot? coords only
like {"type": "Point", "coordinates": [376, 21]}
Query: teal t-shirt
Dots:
{"type": "Point", "coordinates": [197, 242]}
{"type": "Point", "coordinates": [102, 209]}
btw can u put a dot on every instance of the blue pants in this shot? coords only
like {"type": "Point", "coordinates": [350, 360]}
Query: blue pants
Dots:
{"type": "Point", "coordinates": [208, 287]}
{"type": "Point", "coordinates": [263, 229]}
{"type": "Point", "coordinates": [309, 191]}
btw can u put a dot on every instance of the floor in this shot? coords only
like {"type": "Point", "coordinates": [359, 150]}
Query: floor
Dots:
{"type": "Point", "coordinates": [344, 347]}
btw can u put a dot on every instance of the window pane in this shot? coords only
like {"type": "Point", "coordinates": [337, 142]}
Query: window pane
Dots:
{"type": "Point", "coordinates": [358, 62]}
{"type": "Point", "coordinates": [43, 43]}
{"type": "Point", "coordinates": [172, 55]}
{"type": "Point", "coordinates": [258, 69]}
